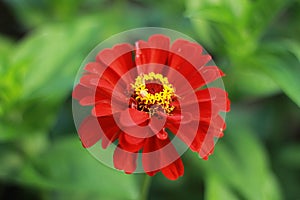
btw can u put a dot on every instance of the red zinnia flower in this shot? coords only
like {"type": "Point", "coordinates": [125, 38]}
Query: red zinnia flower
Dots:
{"type": "Point", "coordinates": [144, 94]}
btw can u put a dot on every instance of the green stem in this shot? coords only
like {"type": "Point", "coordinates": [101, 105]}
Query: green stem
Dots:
{"type": "Point", "coordinates": [146, 187]}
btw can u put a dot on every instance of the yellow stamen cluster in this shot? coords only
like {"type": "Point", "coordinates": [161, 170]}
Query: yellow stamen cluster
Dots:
{"type": "Point", "coordinates": [148, 101]}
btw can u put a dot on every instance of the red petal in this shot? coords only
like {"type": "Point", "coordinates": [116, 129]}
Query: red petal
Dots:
{"type": "Point", "coordinates": [220, 101]}
{"type": "Point", "coordinates": [207, 147]}
{"type": "Point", "coordinates": [195, 133]}
{"type": "Point", "coordinates": [186, 58]}
{"type": "Point", "coordinates": [132, 117]}
{"type": "Point", "coordinates": [135, 122]}
{"type": "Point", "coordinates": [124, 160]}
{"type": "Point", "coordinates": [204, 141]}
{"type": "Point", "coordinates": [210, 101]}
{"type": "Point", "coordinates": [106, 90]}
{"type": "Point", "coordinates": [182, 118]}
{"type": "Point", "coordinates": [90, 96]}
{"type": "Point", "coordinates": [159, 41]}
{"type": "Point", "coordinates": [202, 61]}
{"type": "Point", "coordinates": [119, 58]}
{"type": "Point", "coordinates": [179, 43]}
{"type": "Point", "coordinates": [111, 76]}
{"type": "Point", "coordinates": [189, 79]}
{"type": "Point", "coordinates": [162, 134]}
{"type": "Point", "coordinates": [185, 132]}
{"type": "Point", "coordinates": [92, 87]}
{"type": "Point", "coordinates": [110, 130]}
{"type": "Point", "coordinates": [130, 143]}
{"type": "Point", "coordinates": [183, 52]}
{"type": "Point", "coordinates": [174, 170]}
{"type": "Point", "coordinates": [175, 118]}
{"type": "Point", "coordinates": [89, 131]}
{"type": "Point", "coordinates": [90, 80]}
{"type": "Point", "coordinates": [95, 83]}
{"type": "Point", "coordinates": [208, 131]}
{"type": "Point", "coordinates": [218, 125]}
{"type": "Point", "coordinates": [153, 51]}
{"type": "Point", "coordinates": [84, 95]}
{"type": "Point", "coordinates": [190, 52]}
{"type": "Point", "coordinates": [102, 109]}
{"type": "Point", "coordinates": [159, 155]}
{"type": "Point", "coordinates": [200, 78]}
{"type": "Point", "coordinates": [205, 109]}
{"type": "Point", "coordinates": [217, 95]}
{"type": "Point", "coordinates": [211, 73]}
{"type": "Point", "coordinates": [95, 68]}
{"type": "Point", "coordinates": [94, 80]}
{"type": "Point", "coordinates": [87, 101]}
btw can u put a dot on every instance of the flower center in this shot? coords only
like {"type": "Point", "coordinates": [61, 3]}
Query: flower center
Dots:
{"type": "Point", "coordinates": [153, 93]}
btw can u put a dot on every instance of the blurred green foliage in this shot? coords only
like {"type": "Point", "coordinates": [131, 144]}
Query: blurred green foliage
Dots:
{"type": "Point", "coordinates": [255, 42]}
{"type": "Point", "coordinates": [244, 35]}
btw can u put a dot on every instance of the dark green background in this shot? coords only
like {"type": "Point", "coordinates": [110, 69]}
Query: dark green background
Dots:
{"type": "Point", "coordinates": [255, 42]}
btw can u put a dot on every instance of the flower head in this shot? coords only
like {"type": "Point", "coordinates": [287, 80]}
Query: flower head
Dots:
{"type": "Point", "coordinates": [148, 96]}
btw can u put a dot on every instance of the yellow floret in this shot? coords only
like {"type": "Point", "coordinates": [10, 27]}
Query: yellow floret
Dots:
{"type": "Point", "coordinates": [146, 99]}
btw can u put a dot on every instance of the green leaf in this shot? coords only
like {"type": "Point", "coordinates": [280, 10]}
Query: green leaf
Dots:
{"type": "Point", "coordinates": [248, 84]}
{"type": "Point", "coordinates": [36, 12]}
{"type": "Point", "coordinates": [11, 162]}
{"type": "Point", "coordinates": [292, 46]}
{"type": "Point", "coordinates": [265, 13]}
{"type": "Point", "coordinates": [290, 156]}
{"type": "Point", "coordinates": [5, 51]}
{"type": "Point", "coordinates": [218, 190]}
{"type": "Point", "coordinates": [282, 72]}
{"type": "Point", "coordinates": [239, 157]}
{"type": "Point", "coordinates": [221, 22]}
{"type": "Point", "coordinates": [31, 12]}
{"type": "Point", "coordinates": [41, 72]}
{"type": "Point", "coordinates": [51, 57]}
{"type": "Point", "coordinates": [7, 132]}
{"type": "Point", "coordinates": [68, 167]}
{"type": "Point", "coordinates": [237, 23]}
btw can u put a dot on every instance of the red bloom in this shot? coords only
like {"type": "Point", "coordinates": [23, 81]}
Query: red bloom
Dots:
{"type": "Point", "coordinates": [144, 95]}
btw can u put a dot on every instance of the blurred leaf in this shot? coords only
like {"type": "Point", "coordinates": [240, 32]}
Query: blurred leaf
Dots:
{"type": "Point", "coordinates": [264, 12]}
{"type": "Point", "coordinates": [68, 167]}
{"type": "Point", "coordinates": [239, 157]}
{"type": "Point", "coordinates": [290, 156]}
{"type": "Point", "coordinates": [30, 12]}
{"type": "Point", "coordinates": [52, 56]}
{"type": "Point", "coordinates": [282, 73]}
{"type": "Point", "coordinates": [292, 46]}
{"type": "Point", "coordinates": [240, 31]}
{"type": "Point", "coordinates": [5, 53]}
{"type": "Point", "coordinates": [218, 190]}
{"type": "Point", "coordinates": [240, 23]}
{"type": "Point", "coordinates": [274, 65]}
{"type": "Point", "coordinates": [7, 132]}
{"type": "Point", "coordinates": [43, 68]}
{"type": "Point", "coordinates": [250, 85]}
{"type": "Point", "coordinates": [35, 12]}
{"type": "Point", "coordinates": [287, 166]}
{"type": "Point", "coordinates": [11, 162]}
{"type": "Point", "coordinates": [230, 30]}
{"type": "Point", "coordinates": [6, 46]}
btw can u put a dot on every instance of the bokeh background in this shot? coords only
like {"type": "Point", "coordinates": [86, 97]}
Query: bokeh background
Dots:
{"type": "Point", "coordinates": [255, 42]}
